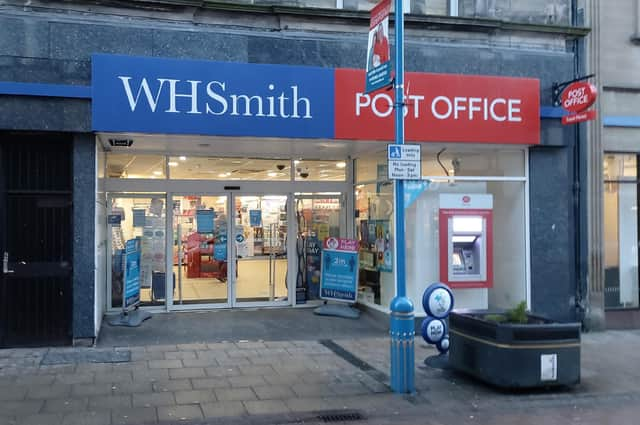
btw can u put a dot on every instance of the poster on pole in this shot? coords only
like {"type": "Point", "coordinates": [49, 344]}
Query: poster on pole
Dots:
{"type": "Point", "coordinates": [378, 49]}
{"type": "Point", "coordinates": [132, 273]}
{"type": "Point", "coordinates": [339, 270]}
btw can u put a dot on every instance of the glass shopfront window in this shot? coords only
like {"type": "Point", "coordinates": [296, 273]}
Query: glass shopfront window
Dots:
{"type": "Point", "coordinates": [375, 231]}
{"type": "Point", "coordinates": [143, 218]}
{"type": "Point", "coordinates": [621, 231]}
{"type": "Point", "coordinates": [444, 175]}
{"type": "Point", "coordinates": [244, 257]}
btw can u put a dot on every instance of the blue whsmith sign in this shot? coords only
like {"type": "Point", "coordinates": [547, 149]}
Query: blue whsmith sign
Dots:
{"type": "Point", "coordinates": [153, 95]}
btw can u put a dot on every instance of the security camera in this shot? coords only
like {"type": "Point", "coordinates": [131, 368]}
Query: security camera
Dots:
{"type": "Point", "coordinates": [304, 174]}
{"type": "Point", "coordinates": [280, 167]}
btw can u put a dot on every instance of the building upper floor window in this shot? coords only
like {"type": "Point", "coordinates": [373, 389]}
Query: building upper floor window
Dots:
{"type": "Point", "coordinates": [635, 37]}
{"type": "Point", "coordinates": [551, 12]}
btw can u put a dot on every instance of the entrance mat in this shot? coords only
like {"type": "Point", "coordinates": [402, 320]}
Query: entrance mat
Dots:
{"type": "Point", "coordinates": [83, 355]}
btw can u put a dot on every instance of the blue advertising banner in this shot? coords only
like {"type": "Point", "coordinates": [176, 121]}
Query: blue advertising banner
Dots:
{"type": "Point", "coordinates": [204, 220]}
{"type": "Point", "coordinates": [339, 270]}
{"type": "Point", "coordinates": [155, 95]}
{"type": "Point", "coordinates": [255, 218]}
{"type": "Point", "coordinates": [132, 273]}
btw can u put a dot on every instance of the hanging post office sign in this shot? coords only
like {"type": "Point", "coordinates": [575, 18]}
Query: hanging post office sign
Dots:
{"type": "Point", "coordinates": [577, 98]}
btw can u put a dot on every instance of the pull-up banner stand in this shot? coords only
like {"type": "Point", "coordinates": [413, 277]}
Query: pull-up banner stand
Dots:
{"type": "Point", "coordinates": [131, 315]}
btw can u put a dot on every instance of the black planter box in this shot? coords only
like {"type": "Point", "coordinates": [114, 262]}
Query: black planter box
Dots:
{"type": "Point", "coordinates": [540, 353]}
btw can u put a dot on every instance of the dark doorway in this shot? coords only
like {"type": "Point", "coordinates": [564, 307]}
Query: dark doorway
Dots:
{"type": "Point", "coordinates": [36, 240]}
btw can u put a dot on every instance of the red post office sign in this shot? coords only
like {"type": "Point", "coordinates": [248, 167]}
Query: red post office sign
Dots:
{"type": "Point", "coordinates": [578, 96]}
{"type": "Point", "coordinates": [441, 108]}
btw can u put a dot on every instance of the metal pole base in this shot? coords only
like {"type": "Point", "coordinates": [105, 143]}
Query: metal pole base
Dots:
{"type": "Point", "coordinates": [402, 352]}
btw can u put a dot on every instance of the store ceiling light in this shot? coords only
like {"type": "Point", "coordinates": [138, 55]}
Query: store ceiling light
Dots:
{"type": "Point", "coordinates": [157, 173]}
{"type": "Point", "coordinates": [341, 164]}
{"type": "Point", "coordinates": [183, 158]}
{"type": "Point", "coordinates": [173, 164]}
{"type": "Point", "coordinates": [272, 174]}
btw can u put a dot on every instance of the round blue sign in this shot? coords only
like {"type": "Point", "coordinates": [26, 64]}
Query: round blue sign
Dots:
{"type": "Point", "coordinates": [437, 300]}
{"type": "Point", "coordinates": [239, 238]}
{"type": "Point", "coordinates": [433, 330]}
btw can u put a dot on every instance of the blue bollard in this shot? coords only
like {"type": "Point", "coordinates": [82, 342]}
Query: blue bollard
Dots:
{"type": "Point", "coordinates": [402, 345]}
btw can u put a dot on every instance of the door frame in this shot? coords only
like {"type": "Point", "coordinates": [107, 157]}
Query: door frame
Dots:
{"type": "Point", "coordinates": [169, 302]}
{"type": "Point", "coordinates": [288, 249]}
{"type": "Point", "coordinates": [232, 301]}
{"type": "Point", "coordinates": [3, 241]}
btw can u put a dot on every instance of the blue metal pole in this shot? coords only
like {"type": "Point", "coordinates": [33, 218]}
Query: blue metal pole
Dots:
{"type": "Point", "coordinates": [402, 318]}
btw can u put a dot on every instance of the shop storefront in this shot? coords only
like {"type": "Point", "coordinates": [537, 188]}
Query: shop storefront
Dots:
{"type": "Point", "coordinates": [230, 229]}
{"type": "Point", "coordinates": [230, 166]}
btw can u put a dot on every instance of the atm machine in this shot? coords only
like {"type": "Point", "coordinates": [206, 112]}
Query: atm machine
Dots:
{"type": "Point", "coordinates": [466, 240]}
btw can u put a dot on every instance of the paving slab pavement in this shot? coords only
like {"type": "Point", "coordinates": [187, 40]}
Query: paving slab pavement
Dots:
{"type": "Point", "coordinates": [293, 381]}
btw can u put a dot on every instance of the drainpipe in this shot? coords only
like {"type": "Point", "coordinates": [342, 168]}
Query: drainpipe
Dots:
{"type": "Point", "coordinates": [580, 183]}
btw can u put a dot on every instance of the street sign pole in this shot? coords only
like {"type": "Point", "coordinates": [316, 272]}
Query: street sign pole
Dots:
{"type": "Point", "coordinates": [402, 318]}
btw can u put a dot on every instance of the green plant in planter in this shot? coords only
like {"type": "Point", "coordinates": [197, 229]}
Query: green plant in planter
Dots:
{"type": "Point", "coordinates": [517, 315]}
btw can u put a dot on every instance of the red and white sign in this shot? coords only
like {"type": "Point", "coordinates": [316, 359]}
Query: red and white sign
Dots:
{"type": "Point", "coordinates": [378, 50]}
{"type": "Point", "coordinates": [576, 99]}
{"type": "Point", "coordinates": [579, 117]}
{"type": "Point", "coordinates": [341, 244]}
{"type": "Point", "coordinates": [441, 108]}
